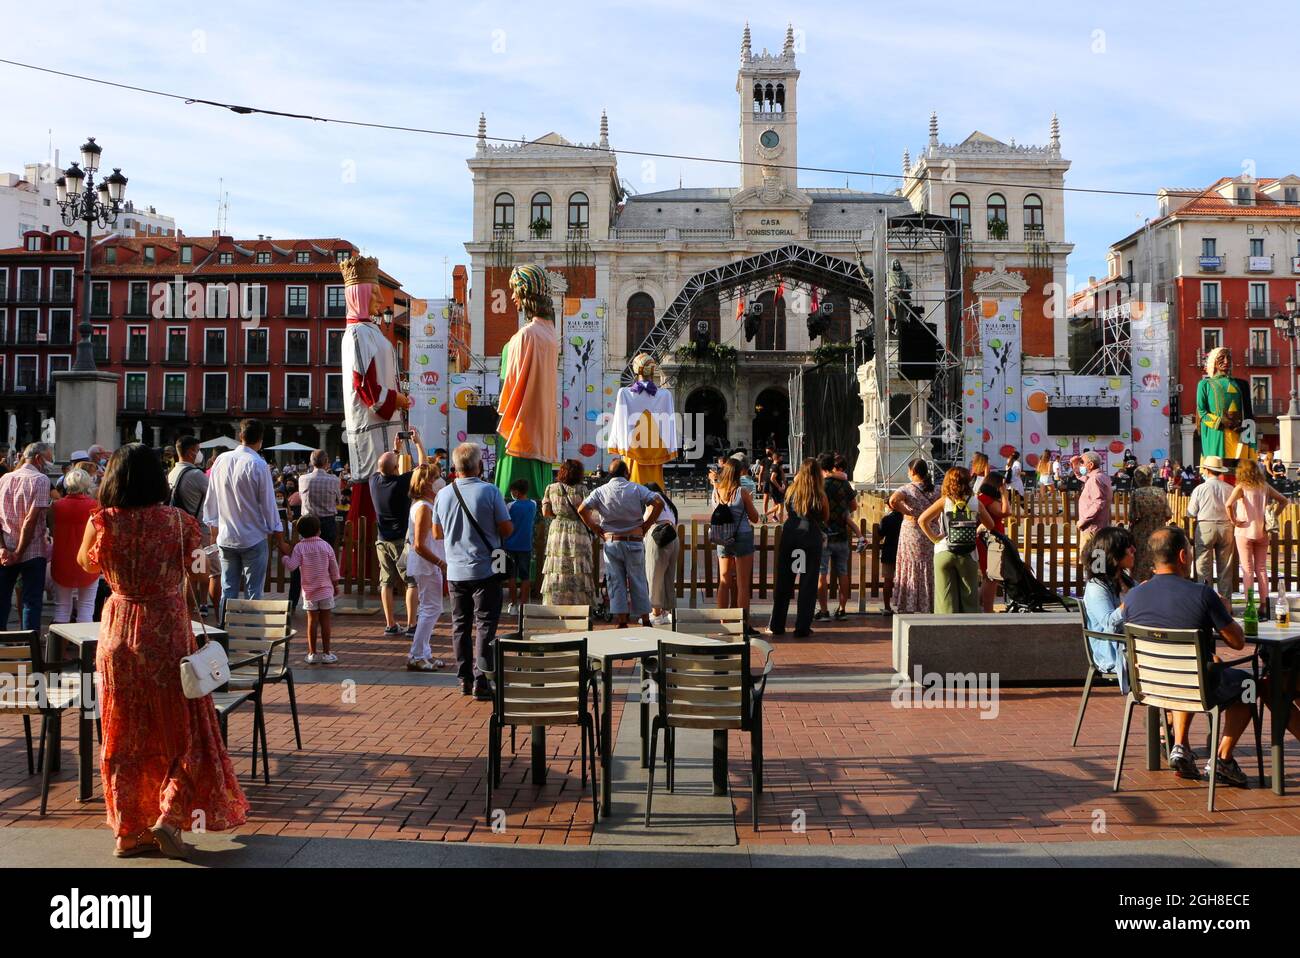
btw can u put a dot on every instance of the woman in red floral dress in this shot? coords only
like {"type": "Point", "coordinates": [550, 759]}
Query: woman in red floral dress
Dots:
{"type": "Point", "coordinates": [164, 766]}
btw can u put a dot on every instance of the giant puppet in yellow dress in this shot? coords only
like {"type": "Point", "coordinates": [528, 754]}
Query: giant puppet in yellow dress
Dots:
{"type": "Point", "coordinates": [644, 428]}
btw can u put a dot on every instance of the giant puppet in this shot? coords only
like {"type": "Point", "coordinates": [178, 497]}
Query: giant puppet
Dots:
{"type": "Point", "coordinates": [530, 378]}
{"type": "Point", "coordinates": [374, 404]}
{"type": "Point", "coordinates": [1223, 410]}
{"type": "Point", "coordinates": [644, 428]}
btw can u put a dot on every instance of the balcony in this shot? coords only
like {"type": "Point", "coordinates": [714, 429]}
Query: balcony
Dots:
{"type": "Point", "coordinates": [1258, 310]}
{"type": "Point", "coordinates": [256, 357]}
{"type": "Point", "coordinates": [137, 309]}
{"type": "Point", "coordinates": [1035, 234]}
{"type": "Point", "coordinates": [1261, 357]}
{"type": "Point", "coordinates": [298, 404]}
{"type": "Point", "coordinates": [577, 234]}
{"type": "Point", "coordinates": [213, 358]}
{"type": "Point", "coordinates": [61, 337]}
{"type": "Point", "coordinates": [1259, 264]}
{"type": "Point", "coordinates": [1295, 264]}
{"type": "Point", "coordinates": [336, 312]}
{"type": "Point", "coordinates": [214, 403]}
{"type": "Point", "coordinates": [1269, 408]}
{"type": "Point", "coordinates": [297, 357]}
{"type": "Point", "coordinates": [334, 404]}
{"type": "Point", "coordinates": [1210, 264]}
{"type": "Point", "coordinates": [257, 404]}
{"type": "Point", "coordinates": [135, 353]}
{"type": "Point", "coordinates": [133, 404]}
{"type": "Point", "coordinates": [1212, 311]}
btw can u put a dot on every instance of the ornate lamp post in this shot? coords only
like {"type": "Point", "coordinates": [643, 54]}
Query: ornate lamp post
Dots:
{"type": "Point", "coordinates": [1287, 323]}
{"type": "Point", "coordinates": [79, 201]}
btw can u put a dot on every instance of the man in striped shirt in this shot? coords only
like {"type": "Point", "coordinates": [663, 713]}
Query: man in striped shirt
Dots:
{"type": "Point", "coordinates": [24, 504]}
{"type": "Point", "coordinates": [320, 492]}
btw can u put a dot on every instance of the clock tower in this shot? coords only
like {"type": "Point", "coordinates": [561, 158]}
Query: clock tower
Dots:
{"type": "Point", "coordinates": [766, 84]}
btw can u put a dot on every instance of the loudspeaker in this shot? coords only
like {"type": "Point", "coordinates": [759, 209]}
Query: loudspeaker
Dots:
{"type": "Point", "coordinates": [481, 420]}
{"type": "Point", "coordinates": [918, 349]}
{"type": "Point", "coordinates": [753, 319]}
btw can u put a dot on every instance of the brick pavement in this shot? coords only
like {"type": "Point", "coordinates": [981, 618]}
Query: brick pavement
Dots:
{"type": "Point", "coordinates": [403, 761]}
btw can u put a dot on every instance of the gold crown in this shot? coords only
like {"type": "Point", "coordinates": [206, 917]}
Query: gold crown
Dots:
{"type": "Point", "coordinates": [359, 270]}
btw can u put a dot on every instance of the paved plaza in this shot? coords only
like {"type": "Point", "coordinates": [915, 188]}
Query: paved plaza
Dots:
{"type": "Point", "coordinates": [393, 762]}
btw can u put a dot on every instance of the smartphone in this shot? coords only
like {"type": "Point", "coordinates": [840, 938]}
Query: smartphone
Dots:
{"type": "Point", "coordinates": [404, 436]}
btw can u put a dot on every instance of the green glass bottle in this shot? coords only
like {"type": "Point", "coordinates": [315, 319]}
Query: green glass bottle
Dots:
{"type": "Point", "coordinates": [1250, 620]}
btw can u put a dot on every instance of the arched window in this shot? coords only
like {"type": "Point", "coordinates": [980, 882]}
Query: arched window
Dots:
{"type": "Point", "coordinates": [579, 211]}
{"type": "Point", "coordinates": [771, 331]}
{"type": "Point", "coordinates": [758, 97]}
{"type": "Point", "coordinates": [539, 215]}
{"type": "Point", "coordinates": [768, 96]}
{"type": "Point", "coordinates": [640, 320]}
{"type": "Point", "coordinates": [780, 98]}
{"type": "Point", "coordinates": [959, 209]}
{"type": "Point", "coordinates": [997, 216]}
{"type": "Point", "coordinates": [503, 213]}
{"type": "Point", "coordinates": [1033, 216]}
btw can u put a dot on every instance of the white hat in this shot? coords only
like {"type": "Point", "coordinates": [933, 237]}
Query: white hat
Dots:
{"type": "Point", "coordinates": [79, 455]}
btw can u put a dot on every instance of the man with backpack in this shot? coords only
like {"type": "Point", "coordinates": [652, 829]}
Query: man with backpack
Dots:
{"type": "Point", "coordinates": [189, 490]}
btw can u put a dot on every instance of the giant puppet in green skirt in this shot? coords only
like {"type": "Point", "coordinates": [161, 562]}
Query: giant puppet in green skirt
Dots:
{"type": "Point", "coordinates": [1223, 409]}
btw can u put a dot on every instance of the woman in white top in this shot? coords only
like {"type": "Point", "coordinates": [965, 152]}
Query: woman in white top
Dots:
{"type": "Point", "coordinates": [661, 561]}
{"type": "Point", "coordinates": [426, 563]}
{"type": "Point", "coordinates": [1015, 476]}
{"type": "Point", "coordinates": [956, 568]}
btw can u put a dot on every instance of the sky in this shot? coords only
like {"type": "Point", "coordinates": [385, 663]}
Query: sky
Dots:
{"type": "Point", "coordinates": [1149, 94]}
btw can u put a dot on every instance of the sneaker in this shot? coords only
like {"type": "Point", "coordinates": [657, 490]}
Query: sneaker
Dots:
{"type": "Point", "coordinates": [393, 630]}
{"type": "Point", "coordinates": [419, 665]}
{"type": "Point", "coordinates": [483, 691]}
{"type": "Point", "coordinates": [409, 630]}
{"type": "Point", "coordinates": [1183, 762]}
{"type": "Point", "coordinates": [819, 615]}
{"type": "Point", "coordinates": [329, 658]}
{"type": "Point", "coordinates": [840, 615]}
{"type": "Point", "coordinates": [466, 688]}
{"type": "Point", "coordinates": [312, 658]}
{"type": "Point", "coordinates": [512, 609]}
{"type": "Point", "coordinates": [1228, 772]}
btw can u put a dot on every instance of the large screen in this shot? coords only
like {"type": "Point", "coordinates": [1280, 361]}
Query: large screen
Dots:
{"type": "Point", "coordinates": [480, 420]}
{"type": "Point", "coordinates": [1083, 421]}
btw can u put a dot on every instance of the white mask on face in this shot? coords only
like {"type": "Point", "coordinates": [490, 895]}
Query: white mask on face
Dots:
{"type": "Point", "coordinates": [198, 458]}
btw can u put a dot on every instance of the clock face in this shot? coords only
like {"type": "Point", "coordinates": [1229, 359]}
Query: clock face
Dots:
{"type": "Point", "coordinates": [769, 139]}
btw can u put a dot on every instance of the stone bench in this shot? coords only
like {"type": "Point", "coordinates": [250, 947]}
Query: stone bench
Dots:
{"type": "Point", "coordinates": [1037, 648]}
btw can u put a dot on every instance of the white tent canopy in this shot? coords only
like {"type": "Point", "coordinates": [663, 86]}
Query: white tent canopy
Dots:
{"type": "Point", "coordinates": [221, 442]}
{"type": "Point", "coordinates": [291, 447]}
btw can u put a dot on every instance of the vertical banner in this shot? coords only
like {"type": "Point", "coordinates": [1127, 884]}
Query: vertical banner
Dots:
{"type": "Point", "coordinates": [1000, 345]}
{"type": "Point", "coordinates": [583, 381]}
{"type": "Point", "coordinates": [1149, 335]}
{"type": "Point", "coordinates": [1033, 418]}
{"type": "Point", "coordinates": [428, 359]}
{"type": "Point", "coordinates": [972, 402]}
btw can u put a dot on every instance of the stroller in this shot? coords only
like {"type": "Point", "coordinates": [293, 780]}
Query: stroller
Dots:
{"type": "Point", "coordinates": [1022, 591]}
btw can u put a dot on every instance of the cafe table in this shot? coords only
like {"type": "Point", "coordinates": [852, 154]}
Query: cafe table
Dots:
{"type": "Point", "coordinates": [606, 647]}
{"type": "Point", "coordinates": [83, 637]}
{"type": "Point", "coordinates": [1271, 645]}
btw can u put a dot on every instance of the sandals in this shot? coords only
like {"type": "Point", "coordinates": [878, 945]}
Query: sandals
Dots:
{"type": "Point", "coordinates": [169, 841]}
{"type": "Point", "coordinates": [141, 847]}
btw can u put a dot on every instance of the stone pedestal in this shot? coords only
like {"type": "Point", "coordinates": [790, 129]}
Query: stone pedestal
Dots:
{"type": "Point", "coordinates": [85, 411]}
{"type": "Point", "coordinates": [1288, 428]}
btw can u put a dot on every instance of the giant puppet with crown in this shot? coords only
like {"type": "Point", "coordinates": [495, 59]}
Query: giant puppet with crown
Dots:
{"type": "Point", "coordinates": [374, 404]}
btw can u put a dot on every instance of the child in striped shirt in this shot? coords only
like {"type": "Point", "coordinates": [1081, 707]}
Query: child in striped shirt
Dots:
{"type": "Point", "coordinates": [314, 558]}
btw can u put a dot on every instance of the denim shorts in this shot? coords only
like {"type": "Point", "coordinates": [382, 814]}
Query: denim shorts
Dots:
{"type": "Point", "coordinates": [839, 551]}
{"type": "Point", "coordinates": [1226, 687]}
{"type": "Point", "coordinates": [520, 563]}
{"type": "Point", "coordinates": [742, 546]}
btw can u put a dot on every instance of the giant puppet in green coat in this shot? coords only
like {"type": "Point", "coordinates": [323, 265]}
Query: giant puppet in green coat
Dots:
{"type": "Point", "coordinates": [1223, 409]}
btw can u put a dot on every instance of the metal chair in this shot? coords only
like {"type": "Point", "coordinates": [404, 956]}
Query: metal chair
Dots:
{"type": "Point", "coordinates": [540, 683]}
{"type": "Point", "coordinates": [38, 688]}
{"type": "Point", "coordinates": [709, 687]}
{"type": "Point", "coordinates": [1095, 671]}
{"type": "Point", "coordinates": [1168, 669]}
{"type": "Point", "coordinates": [262, 627]}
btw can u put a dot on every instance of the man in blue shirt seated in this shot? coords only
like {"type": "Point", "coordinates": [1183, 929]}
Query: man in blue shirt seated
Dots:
{"type": "Point", "coordinates": [519, 547]}
{"type": "Point", "coordinates": [1170, 600]}
{"type": "Point", "coordinates": [470, 516]}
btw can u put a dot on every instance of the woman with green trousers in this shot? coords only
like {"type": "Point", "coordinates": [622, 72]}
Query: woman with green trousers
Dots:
{"type": "Point", "coordinates": [958, 513]}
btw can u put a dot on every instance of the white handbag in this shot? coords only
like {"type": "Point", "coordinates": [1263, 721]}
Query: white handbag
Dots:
{"type": "Point", "coordinates": [206, 669]}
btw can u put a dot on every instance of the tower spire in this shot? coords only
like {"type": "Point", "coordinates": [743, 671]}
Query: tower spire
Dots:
{"type": "Point", "coordinates": [788, 49]}
{"type": "Point", "coordinates": [604, 130]}
{"type": "Point", "coordinates": [907, 165]}
{"type": "Point", "coordinates": [934, 128]}
{"type": "Point", "coordinates": [481, 146]}
{"type": "Point", "coordinates": [1056, 132]}
{"type": "Point", "coordinates": [745, 51]}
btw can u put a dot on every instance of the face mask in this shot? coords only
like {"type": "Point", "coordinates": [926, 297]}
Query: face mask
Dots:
{"type": "Point", "coordinates": [198, 458]}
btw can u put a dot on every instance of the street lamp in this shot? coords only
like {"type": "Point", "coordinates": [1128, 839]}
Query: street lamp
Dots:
{"type": "Point", "coordinates": [80, 201]}
{"type": "Point", "coordinates": [1287, 323]}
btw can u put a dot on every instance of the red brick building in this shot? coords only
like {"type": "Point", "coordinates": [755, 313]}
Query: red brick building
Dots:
{"type": "Point", "coordinates": [1225, 259]}
{"type": "Point", "coordinates": [202, 330]}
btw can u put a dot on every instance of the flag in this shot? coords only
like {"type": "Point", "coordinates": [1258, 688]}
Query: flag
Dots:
{"type": "Point", "coordinates": [780, 292]}
{"type": "Point", "coordinates": [815, 304]}
{"type": "Point", "coordinates": [740, 307]}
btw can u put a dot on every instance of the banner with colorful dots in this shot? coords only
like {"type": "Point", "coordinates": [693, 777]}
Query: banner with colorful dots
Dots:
{"type": "Point", "coordinates": [1149, 335]}
{"type": "Point", "coordinates": [476, 387]}
{"type": "Point", "coordinates": [582, 382]}
{"type": "Point", "coordinates": [1000, 387]}
{"type": "Point", "coordinates": [427, 356]}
